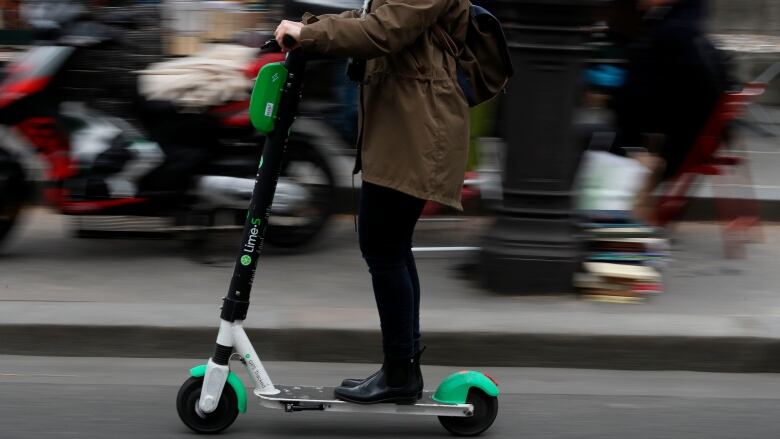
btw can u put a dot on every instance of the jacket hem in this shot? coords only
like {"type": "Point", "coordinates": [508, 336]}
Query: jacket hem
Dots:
{"type": "Point", "coordinates": [447, 201]}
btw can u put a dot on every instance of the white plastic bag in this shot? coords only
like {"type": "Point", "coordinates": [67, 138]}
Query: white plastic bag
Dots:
{"type": "Point", "coordinates": [609, 182]}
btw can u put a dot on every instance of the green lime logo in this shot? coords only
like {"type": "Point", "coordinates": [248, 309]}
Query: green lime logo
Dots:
{"type": "Point", "coordinates": [246, 260]}
{"type": "Point", "coordinates": [247, 356]}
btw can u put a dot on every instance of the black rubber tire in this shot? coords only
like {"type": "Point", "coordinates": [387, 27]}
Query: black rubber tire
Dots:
{"type": "Point", "coordinates": [318, 211]}
{"type": "Point", "coordinates": [485, 411]}
{"type": "Point", "coordinates": [13, 193]}
{"type": "Point", "coordinates": [211, 423]}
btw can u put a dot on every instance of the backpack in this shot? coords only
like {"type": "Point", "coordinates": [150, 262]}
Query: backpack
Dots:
{"type": "Point", "coordinates": [484, 65]}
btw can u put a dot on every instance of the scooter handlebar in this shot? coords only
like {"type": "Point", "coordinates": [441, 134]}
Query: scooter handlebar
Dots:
{"type": "Point", "coordinates": [289, 41]}
{"type": "Point", "coordinates": [273, 45]}
{"type": "Point", "coordinates": [295, 60]}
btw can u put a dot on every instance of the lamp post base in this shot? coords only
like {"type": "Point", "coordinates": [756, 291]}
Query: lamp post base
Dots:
{"type": "Point", "coordinates": [530, 256]}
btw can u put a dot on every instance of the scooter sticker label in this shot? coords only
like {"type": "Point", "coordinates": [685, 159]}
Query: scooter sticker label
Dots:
{"type": "Point", "coordinates": [269, 109]}
{"type": "Point", "coordinates": [251, 243]}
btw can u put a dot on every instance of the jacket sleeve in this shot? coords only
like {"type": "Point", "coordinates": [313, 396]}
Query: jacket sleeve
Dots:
{"type": "Point", "coordinates": [388, 29]}
{"type": "Point", "coordinates": [309, 18]}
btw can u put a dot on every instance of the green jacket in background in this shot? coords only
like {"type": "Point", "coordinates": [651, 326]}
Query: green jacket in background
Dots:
{"type": "Point", "coordinates": [414, 119]}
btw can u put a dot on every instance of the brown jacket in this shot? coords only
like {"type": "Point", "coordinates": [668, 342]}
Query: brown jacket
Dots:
{"type": "Point", "coordinates": [413, 117]}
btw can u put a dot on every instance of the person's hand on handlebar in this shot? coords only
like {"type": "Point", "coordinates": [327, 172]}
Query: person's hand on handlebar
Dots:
{"type": "Point", "coordinates": [290, 29]}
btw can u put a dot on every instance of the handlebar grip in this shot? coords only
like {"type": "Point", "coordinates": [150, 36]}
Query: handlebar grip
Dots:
{"type": "Point", "coordinates": [273, 46]}
{"type": "Point", "coordinates": [289, 42]}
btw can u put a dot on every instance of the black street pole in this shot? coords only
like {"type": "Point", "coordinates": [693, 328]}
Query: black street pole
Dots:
{"type": "Point", "coordinates": [531, 248]}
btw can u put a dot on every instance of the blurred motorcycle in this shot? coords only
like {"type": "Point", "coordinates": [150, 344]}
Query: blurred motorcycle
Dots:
{"type": "Point", "coordinates": [157, 162]}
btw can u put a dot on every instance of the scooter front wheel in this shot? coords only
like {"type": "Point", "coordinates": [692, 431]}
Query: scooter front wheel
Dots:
{"type": "Point", "coordinates": [205, 423]}
{"type": "Point", "coordinates": [485, 411]}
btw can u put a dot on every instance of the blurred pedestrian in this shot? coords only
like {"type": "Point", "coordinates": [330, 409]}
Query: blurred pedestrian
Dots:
{"type": "Point", "coordinates": [412, 147]}
{"type": "Point", "coordinates": [675, 78]}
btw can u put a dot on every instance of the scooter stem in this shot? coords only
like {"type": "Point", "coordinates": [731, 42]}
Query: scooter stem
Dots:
{"type": "Point", "coordinates": [236, 303]}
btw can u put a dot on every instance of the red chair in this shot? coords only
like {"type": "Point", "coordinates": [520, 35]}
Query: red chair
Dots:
{"type": "Point", "coordinates": [736, 214]}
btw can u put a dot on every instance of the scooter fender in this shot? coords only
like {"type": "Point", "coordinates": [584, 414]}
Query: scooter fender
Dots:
{"type": "Point", "coordinates": [232, 379]}
{"type": "Point", "coordinates": [455, 388]}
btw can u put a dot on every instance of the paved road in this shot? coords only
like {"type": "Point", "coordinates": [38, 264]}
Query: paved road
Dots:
{"type": "Point", "coordinates": [51, 397]}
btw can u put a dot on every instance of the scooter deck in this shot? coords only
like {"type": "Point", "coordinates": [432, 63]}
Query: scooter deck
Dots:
{"type": "Point", "coordinates": [301, 398]}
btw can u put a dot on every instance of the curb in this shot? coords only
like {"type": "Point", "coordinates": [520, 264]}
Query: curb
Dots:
{"type": "Point", "coordinates": [582, 351]}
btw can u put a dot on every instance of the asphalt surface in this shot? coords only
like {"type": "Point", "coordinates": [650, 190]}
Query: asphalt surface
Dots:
{"type": "Point", "coordinates": [56, 397]}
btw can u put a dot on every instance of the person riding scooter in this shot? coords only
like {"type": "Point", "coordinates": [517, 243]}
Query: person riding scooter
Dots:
{"type": "Point", "coordinates": [412, 147]}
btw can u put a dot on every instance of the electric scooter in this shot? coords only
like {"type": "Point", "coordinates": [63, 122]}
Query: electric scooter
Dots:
{"type": "Point", "coordinates": [466, 402]}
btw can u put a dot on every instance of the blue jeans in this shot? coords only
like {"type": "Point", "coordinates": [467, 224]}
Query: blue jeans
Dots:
{"type": "Point", "coordinates": [386, 220]}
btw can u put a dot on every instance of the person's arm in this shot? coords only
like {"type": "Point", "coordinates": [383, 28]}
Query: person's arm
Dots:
{"type": "Point", "coordinates": [353, 13]}
{"type": "Point", "coordinates": [388, 29]}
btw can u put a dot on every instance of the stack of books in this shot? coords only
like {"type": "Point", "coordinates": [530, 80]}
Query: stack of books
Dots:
{"type": "Point", "coordinates": [623, 262]}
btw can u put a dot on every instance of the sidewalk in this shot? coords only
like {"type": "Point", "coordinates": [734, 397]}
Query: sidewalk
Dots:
{"type": "Point", "coordinates": [762, 151]}
{"type": "Point", "coordinates": [65, 296]}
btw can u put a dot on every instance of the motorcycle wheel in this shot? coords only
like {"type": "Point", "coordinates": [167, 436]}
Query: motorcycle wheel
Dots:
{"type": "Point", "coordinates": [12, 192]}
{"type": "Point", "coordinates": [306, 167]}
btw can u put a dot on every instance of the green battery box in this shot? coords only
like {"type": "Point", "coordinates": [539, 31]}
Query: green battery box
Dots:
{"type": "Point", "coordinates": [264, 104]}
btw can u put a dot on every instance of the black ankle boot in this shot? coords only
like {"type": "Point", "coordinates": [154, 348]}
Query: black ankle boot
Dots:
{"type": "Point", "coordinates": [397, 381]}
{"type": "Point", "coordinates": [352, 382]}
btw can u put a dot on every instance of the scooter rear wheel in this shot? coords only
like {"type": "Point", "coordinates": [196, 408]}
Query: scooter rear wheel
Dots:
{"type": "Point", "coordinates": [205, 423]}
{"type": "Point", "coordinates": [485, 411]}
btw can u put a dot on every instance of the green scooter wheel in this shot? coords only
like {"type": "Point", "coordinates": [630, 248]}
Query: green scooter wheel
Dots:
{"type": "Point", "coordinates": [205, 423]}
{"type": "Point", "coordinates": [485, 411]}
